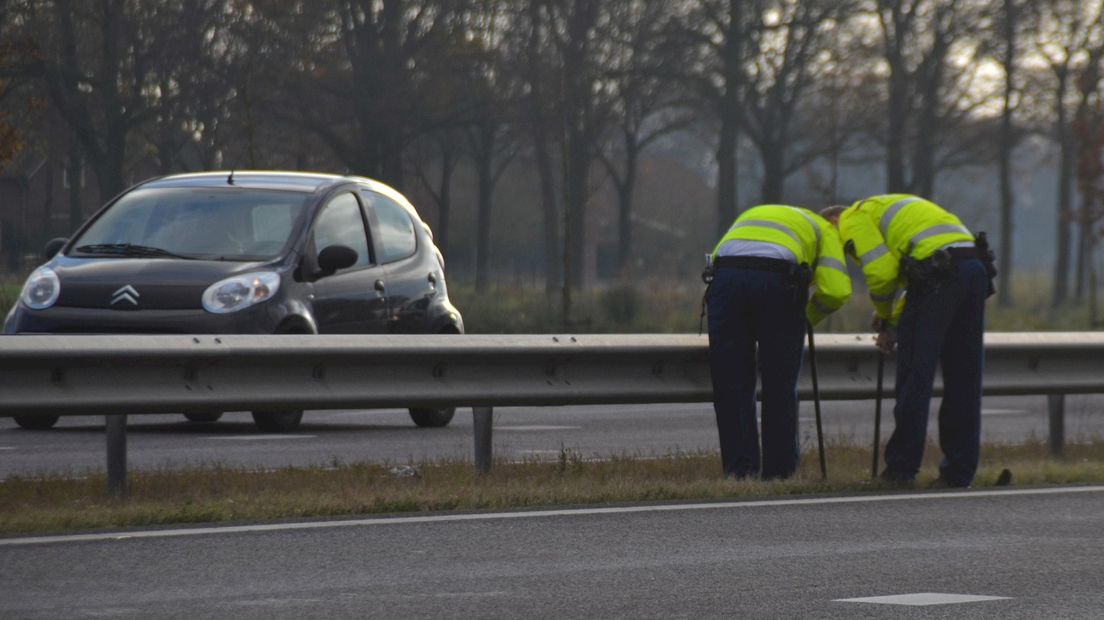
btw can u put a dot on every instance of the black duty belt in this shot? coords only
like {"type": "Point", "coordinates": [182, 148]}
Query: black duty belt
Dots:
{"type": "Point", "coordinates": [758, 263]}
{"type": "Point", "coordinates": [963, 253]}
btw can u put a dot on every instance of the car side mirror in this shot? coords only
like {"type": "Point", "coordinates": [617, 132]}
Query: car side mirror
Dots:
{"type": "Point", "coordinates": [53, 246]}
{"type": "Point", "coordinates": [335, 257]}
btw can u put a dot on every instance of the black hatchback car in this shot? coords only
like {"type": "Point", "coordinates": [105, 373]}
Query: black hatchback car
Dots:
{"type": "Point", "coordinates": [244, 253]}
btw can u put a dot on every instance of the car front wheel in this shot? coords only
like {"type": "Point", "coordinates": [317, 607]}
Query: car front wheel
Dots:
{"type": "Point", "coordinates": [432, 418]}
{"type": "Point", "coordinates": [282, 421]}
{"type": "Point", "coordinates": [36, 422]}
{"type": "Point", "coordinates": [277, 421]}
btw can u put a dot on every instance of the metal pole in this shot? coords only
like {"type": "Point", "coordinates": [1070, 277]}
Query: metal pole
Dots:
{"type": "Point", "coordinates": [878, 416]}
{"type": "Point", "coordinates": [116, 426]}
{"type": "Point", "coordinates": [482, 423]}
{"type": "Point", "coordinates": [1056, 412]}
{"type": "Point", "coordinates": [816, 400]}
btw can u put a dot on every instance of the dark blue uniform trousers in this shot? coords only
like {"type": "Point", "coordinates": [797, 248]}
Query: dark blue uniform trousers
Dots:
{"type": "Point", "coordinates": [751, 311]}
{"type": "Point", "coordinates": [942, 322]}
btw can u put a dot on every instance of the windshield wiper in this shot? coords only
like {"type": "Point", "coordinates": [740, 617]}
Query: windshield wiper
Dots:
{"type": "Point", "coordinates": [128, 249]}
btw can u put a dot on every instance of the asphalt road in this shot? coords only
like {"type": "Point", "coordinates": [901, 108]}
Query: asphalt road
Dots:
{"type": "Point", "coordinates": [77, 443]}
{"type": "Point", "coordinates": [1040, 555]}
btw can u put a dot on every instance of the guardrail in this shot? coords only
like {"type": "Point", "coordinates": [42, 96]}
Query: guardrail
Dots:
{"type": "Point", "coordinates": [133, 374]}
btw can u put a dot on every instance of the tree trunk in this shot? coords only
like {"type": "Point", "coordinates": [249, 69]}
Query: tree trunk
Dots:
{"type": "Point", "coordinates": [73, 171]}
{"type": "Point", "coordinates": [897, 112]}
{"type": "Point", "coordinates": [576, 181]}
{"type": "Point", "coordinates": [727, 183]}
{"type": "Point", "coordinates": [774, 173]}
{"type": "Point", "coordinates": [109, 169]}
{"type": "Point", "coordinates": [1007, 144]}
{"type": "Point", "coordinates": [1065, 188]}
{"type": "Point", "coordinates": [485, 160]}
{"type": "Point", "coordinates": [1081, 255]}
{"type": "Point", "coordinates": [444, 202]}
{"type": "Point", "coordinates": [549, 209]}
{"type": "Point", "coordinates": [625, 193]}
{"type": "Point", "coordinates": [728, 144]}
{"type": "Point", "coordinates": [539, 122]}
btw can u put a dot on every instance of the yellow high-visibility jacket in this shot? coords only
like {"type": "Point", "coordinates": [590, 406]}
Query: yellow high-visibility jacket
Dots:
{"type": "Point", "coordinates": [812, 240]}
{"type": "Point", "coordinates": [882, 229]}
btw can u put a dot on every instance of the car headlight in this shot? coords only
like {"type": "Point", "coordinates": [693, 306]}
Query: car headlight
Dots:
{"type": "Point", "coordinates": [41, 289]}
{"type": "Point", "coordinates": [233, 294]}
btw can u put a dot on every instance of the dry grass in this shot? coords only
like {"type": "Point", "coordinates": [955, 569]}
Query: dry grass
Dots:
{"type": "Point", "coordinates": [219, 494]}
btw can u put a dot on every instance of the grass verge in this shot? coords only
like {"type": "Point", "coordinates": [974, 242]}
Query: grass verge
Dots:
{"type": "Point", "coordinates": [220, 494]}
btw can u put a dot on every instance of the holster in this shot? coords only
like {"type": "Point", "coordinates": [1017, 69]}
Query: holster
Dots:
{"type": "Point", "coordinates": [989, 259]}
{"type": "Point", "coordinates": [931, 271]}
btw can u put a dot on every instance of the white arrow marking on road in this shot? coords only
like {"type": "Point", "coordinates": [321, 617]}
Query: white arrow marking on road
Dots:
{"type": "Point", "coordinates": [922, 599]}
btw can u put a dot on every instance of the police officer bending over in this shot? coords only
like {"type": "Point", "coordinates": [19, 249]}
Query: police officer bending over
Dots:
{"type": "Point", "coordinates": [907, 242]}
{"type": "Point", "coordinates": [759, 300]}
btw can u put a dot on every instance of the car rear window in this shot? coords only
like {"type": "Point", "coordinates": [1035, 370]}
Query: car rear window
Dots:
{"type": "Point", "coordinates": [209, 223]}
{"type": "Point", "coordinates": [396, 229]}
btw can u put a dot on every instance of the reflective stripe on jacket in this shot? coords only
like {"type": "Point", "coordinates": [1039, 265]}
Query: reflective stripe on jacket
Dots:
{"type": "Point", "coordinates": [884, 228]}
{"type": "Point", "coordinates": [812, 240]}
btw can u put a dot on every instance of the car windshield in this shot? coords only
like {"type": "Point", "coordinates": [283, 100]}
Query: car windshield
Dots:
{"type": "Point", "coordinates": [232, 223]}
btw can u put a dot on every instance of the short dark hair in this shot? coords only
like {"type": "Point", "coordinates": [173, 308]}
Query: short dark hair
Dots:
{"type": "Point", "coordinates": [832, 213]}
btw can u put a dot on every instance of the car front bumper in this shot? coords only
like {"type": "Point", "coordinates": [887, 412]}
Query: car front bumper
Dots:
{"type": "Point", "coordinates": [259, 319]}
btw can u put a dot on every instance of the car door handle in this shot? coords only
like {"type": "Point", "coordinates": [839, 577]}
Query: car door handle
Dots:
{"type": "Point", "coordinates": [432, 278]}
{"type": "Point", "coordinates": [380, 286]}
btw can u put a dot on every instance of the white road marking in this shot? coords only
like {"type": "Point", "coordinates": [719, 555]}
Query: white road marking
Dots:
{"type": "Point", "coordinates": [536, 427]}
{"type": "Point", "coordinates": [1003, 412]}
{"type": "Point", "coordinates": [535, 514]}
{"type": "Point", "coordinates": [922, 599]}
{"type": "Point", "coordinates": [3, 448]}
{"type": "Point", "coordinates": [366, 413]}
{"type": "Point", "coordinates": [263, 437]}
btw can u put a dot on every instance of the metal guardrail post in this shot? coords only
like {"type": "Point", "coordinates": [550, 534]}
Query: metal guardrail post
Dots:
{"type": "Point", "coordinates": [482, 429]}
{"type": "Point", "coordinates": [1056, 412]}
{"type": "Point", "coordinates": [116, 425]}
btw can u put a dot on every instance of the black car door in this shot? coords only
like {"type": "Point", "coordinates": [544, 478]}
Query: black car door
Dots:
{"type": "Point", "coordinates": [352, 300]}
{"type": "Point", "coordinates": [411, 270]}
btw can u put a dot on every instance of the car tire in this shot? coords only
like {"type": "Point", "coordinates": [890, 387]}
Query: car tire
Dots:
{"type": "Point", "coordinates": [277, 421]}
{"type": "Point", "coordinates": [432, 418]}
{"type": "Point", "coordinates": [36, 422]}
{"type": "Point", "coordinates": [203, 417]}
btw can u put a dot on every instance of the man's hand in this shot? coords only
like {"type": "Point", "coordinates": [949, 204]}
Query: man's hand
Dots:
{"type": "Point", "coordinates": [887, 338]}
{"type": "Point", "coordinates": [876, 323]}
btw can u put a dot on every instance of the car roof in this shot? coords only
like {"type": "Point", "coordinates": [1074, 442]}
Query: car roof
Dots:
{"type": "Point", "coordinates": [306, 182]}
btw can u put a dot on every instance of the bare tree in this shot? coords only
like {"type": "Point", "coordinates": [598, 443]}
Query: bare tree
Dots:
{"type": "Point", "coordinates": [349, 73]}
{"type": "Point", "coordinates": [531, 37]}
{"type": "Point", "coordinates": [1066, 29]}
{"type": "Point", "coordinates": [12, 78]}
{"type": "Point", "coordinates": [1013, 23]}
{"type": "Point", "coordinates": [1088, 125]}
{"type": "Point", "coordinates": [927, 94]}
{"type": "Point", "coordinates": [193, 78]}
{"type": "Point", "coordinates": [1088, 131]}
{"type": "Point", "coordinates": [716, 35]}
{"type": "Point", "coordinates": [442, 149]}
{"type": "Point", "coordinates": [789, 35]}
{"type": "Point", "coordinates": [491, 94]}
{"type": "Point", "coordinates": [576, 29]}
{"type": "Point", "coordinates": [95, 59]}
{"type": "Point", "coordinates": [644, 105]}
